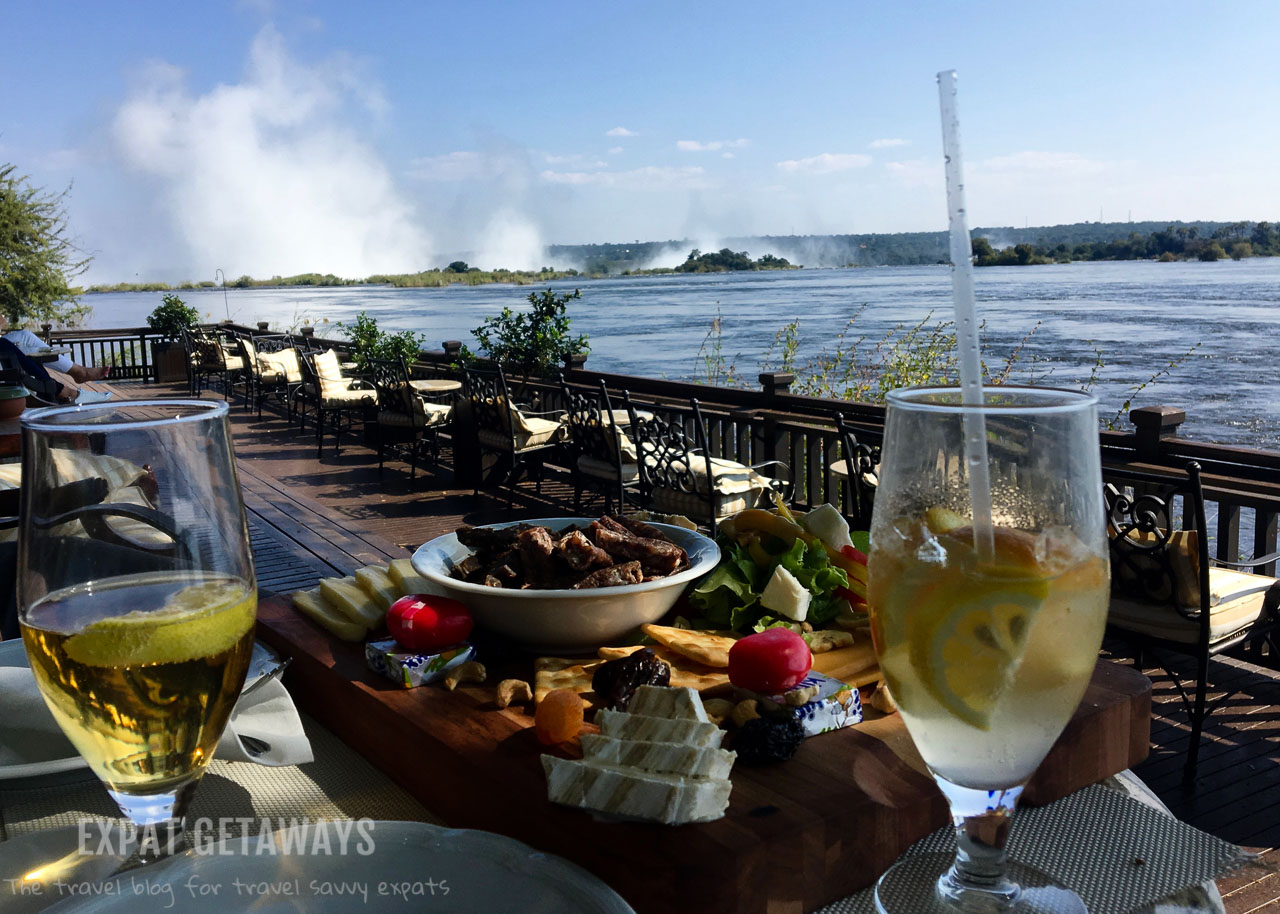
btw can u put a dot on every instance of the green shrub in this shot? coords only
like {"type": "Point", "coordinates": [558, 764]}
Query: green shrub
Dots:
{"type": "Point", "coordinates": [172, 316]}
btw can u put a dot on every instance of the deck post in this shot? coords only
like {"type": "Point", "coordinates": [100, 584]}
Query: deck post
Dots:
{"type": "Point", "coordinates": [1153, 424]}
{"type": "Point", "coordinates": [775, 441]}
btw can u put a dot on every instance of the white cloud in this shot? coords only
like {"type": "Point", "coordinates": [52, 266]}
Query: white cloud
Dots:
{"type": "Point", "coordinates": [578, 159]}
{"type": "Point", "coordinates": [455, 166]}
{"type": "Point", "coordinates": [271, 175]}
{"type": "Point", "coordinates": [917, 172]}
{"type": "Point", "coordinates": [1034, 162]}
{"type": "Point", "coordinates": [825, 163]}
{"type": "Point", "coordinates": [727, 155]}
{"type": "Point", "coordinates": [888, 143]}
{"type": "Point", "coordinates": [620, 131]}
{"type": "Point", "coordinates": [651, 177]}
{"type": "Point", "coordinates": [712, 146]}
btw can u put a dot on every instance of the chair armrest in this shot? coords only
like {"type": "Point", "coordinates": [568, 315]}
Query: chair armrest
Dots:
{"type": "Point", "coordinates": [1248, 563]}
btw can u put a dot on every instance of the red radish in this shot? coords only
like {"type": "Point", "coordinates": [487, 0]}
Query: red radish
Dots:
{"type": "Point", "coordinates": [769, 662]}
{"type": "Point", "coordinates": [425, 622]}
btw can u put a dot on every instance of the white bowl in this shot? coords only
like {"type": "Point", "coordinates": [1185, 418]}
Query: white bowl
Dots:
{"type": "Point", "coordinates": [565, 620]}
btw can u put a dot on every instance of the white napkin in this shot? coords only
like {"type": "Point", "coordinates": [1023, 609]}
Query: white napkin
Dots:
{"type": "Point", "coordinates": [28, 732]}
{"type": "Point", "coordinates": [268, 718]}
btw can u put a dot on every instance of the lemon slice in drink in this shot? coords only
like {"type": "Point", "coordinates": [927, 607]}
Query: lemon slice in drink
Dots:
{"type": "Point", "coordinates": [969, 657]}
{"type": "Point", "coordinates": [198, 621]}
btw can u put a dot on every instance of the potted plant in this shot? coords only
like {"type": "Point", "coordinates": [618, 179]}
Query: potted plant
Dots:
{"type": "Point", "coordinates": [169, 319]}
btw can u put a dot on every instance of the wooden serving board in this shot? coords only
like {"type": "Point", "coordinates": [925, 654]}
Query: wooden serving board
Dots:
{"type": "Point", "coordinates": [797, 835]}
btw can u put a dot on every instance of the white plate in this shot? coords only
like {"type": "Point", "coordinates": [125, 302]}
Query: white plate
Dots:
{"type": "Point", "coordinates": [53, 753]}
{"type": "Point", "coordinates": [436, 869]}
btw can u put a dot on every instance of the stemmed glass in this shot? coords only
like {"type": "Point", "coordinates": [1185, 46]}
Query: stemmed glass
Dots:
{"type": "Point", "coordinates": [987, 620]}
{"type": "Point", "coordinates": [136, 594]}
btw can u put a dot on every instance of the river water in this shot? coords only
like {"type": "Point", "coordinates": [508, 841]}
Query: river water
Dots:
{"type": "Point", "coordinates": [1136, 318]}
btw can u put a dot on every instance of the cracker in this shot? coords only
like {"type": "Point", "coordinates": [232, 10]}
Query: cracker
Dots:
{"type": "Point", "coordinates": [845, 663]}
{"type": "Point", "coordinates": [551, 673]}
{"type": "Point", "coordinates": [709, 648]}
{"type": "Point", "coordinates": [828, 640]}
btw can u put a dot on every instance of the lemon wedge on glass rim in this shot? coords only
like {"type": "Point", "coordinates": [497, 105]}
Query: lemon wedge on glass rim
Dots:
{"type": "Point", "coordinates": [202, 620]}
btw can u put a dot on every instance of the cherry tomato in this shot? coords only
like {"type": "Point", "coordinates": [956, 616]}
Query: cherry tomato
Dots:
{"type": "Point", "coordinates": [769, 662]}
{"type": "Point", "coordinates": [425, 622]}
{"type": "Point", "coordinates": [854, 553]}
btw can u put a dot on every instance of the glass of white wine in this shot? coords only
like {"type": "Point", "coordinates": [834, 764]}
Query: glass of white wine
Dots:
{"type": "Point", "coordinates": [136, 594]}
{"type": "Point", "coordinates": [986, 617]}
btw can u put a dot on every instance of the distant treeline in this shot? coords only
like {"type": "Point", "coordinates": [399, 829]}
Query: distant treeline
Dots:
{"type": "Point", "coordinates": [869, 250]}
{"type": "Point", "coordinates": [457, 272]}
{"type": "Point", "coordinates": [1236, 240]}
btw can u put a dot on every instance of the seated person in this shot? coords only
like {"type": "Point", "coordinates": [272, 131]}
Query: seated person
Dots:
{"type": "Point", "coordinates": [44, 383]}
{"type": "Point", "coordinates": [29, 343]}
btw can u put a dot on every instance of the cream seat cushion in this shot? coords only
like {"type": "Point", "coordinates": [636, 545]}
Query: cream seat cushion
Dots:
{"type": "Point", "coordinates": [841, 468]}
{"type": "Point", "coordinates": [275, 366]}
{"type": "Point", "coordinates": [417, 412]}
{"type": "Point", "coordinates": [530, 431]}
{"type": "Point", "coordinates": [339, 398]}
{"type": "Point", "coordinates": [735, 488]}
{"type": "Point", "coordinates": [604, 469]}
{"type": "Point", "coordinates": [1236, 599]}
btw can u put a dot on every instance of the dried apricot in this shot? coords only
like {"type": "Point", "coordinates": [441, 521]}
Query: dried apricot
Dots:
{"type": "Point", "coordinates": [559, 716]}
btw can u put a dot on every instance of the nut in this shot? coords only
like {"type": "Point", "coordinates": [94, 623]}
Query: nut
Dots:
{"type": "Point", "coordinates": [718, 709]}
{"type": "Point", "coordinates": [744, 711]}
{"type": "Point", "coordinates": [806, 627]}
{"type": "Point", "coordinates": [471, 671]}
{"type": "Point", "coordinates": [512, 690]}
{"type": "Point", "coordinates": [882, 701]}
{"type": "Point", "coordinates": [828, 639]}
{"type": "Point", "coordinates": [796, 698]}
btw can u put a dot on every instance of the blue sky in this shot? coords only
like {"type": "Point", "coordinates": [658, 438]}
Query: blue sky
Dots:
{"type": "Point", "coordinates": [277, 137]}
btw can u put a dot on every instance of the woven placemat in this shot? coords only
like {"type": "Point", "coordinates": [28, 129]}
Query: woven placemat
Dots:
{"type": "Point", "coordinates": [339, 784]}
{"type": "Point", "coordinates": [1117, 854]}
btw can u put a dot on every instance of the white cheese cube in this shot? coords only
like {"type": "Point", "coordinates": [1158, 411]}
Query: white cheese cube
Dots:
{"type": "Point", "coordinates": [621, 725]}
{"type": "Point", "coordinates": [667, 798]}
{"type": "Point", "coordinates": [828, 525]}
{"type": "Point", "coordinates": [786, 596]}
{"type": "Point", "coordinates": [661, 758]}
{"type": "Point", "coordinates": [662, 701]}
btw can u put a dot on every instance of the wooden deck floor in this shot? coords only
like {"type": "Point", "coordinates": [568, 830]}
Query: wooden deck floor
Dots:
{"type": "Point", "coordinates": [1236, 795]}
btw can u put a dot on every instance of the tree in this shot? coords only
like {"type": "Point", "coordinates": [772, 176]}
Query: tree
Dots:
{"type": "Point", "coordinates": [536, 343]}
{"type": "Point", "coordinates": [458, 266]}
{"type": "Point", "coordinates": [37, 259]}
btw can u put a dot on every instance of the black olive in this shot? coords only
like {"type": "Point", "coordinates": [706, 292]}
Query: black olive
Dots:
{"type": "Point", "coordinates": [764, 740]}
{"type": "Point", "coordinates": [615, 681]}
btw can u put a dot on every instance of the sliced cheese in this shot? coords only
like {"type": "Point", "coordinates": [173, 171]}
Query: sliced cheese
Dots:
{"type": "Point", "coordinates": [311, 604]}
{"type": "Point", "coordinates": [662, 758]}
{"type": "Point", "coordinates": [375, 581]}
{"type": "Point", "coordinates": [622, 725]}
{"type": "Point", "coordinates": [661, 701]}
{"type": "Point", "coordinates": [786, 596]}
{"type": "Point", "coordinates": [667, 798]}
{"type": "Point", "coordinates": [348, 598]}
{"type": "Point", "coordinates": [406, 579]}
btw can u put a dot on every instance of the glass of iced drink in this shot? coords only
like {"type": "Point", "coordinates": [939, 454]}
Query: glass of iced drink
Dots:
{"type": "Point", "coordinates": [987, 619]}
{"type": "Point", "coordinates": [136, 594]}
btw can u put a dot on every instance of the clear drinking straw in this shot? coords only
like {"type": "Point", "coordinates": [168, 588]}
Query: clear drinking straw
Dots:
{"type": "Point", "coordinates": [975, 432]}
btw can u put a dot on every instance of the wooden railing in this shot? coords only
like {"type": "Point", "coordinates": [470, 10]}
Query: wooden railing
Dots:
{"type": "Point", "coordinates": [127, 351]}
{"type": "Point", "coordinates": [1242, 485]}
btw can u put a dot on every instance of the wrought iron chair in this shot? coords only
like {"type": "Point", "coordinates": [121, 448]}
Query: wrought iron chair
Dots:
{"type": "Point", "coordinates": [404, 416]}
{"type": "Point", "coordinates": [1170, 596]}
{"type": "Point", "coordinates": [278, 371]}
{"type": "Point", "coordinates": [858, 471]}
{"type": "Point", "coordinates": [334, 395]}
{"type": "Point", "coordinates": [208, 361]}
{"type": "Point", "coordinates": [520, 438]}
{"type": "Point", "coordinates": [678, 475]}
{"type": "Point", "coordinates": [601, 454]}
